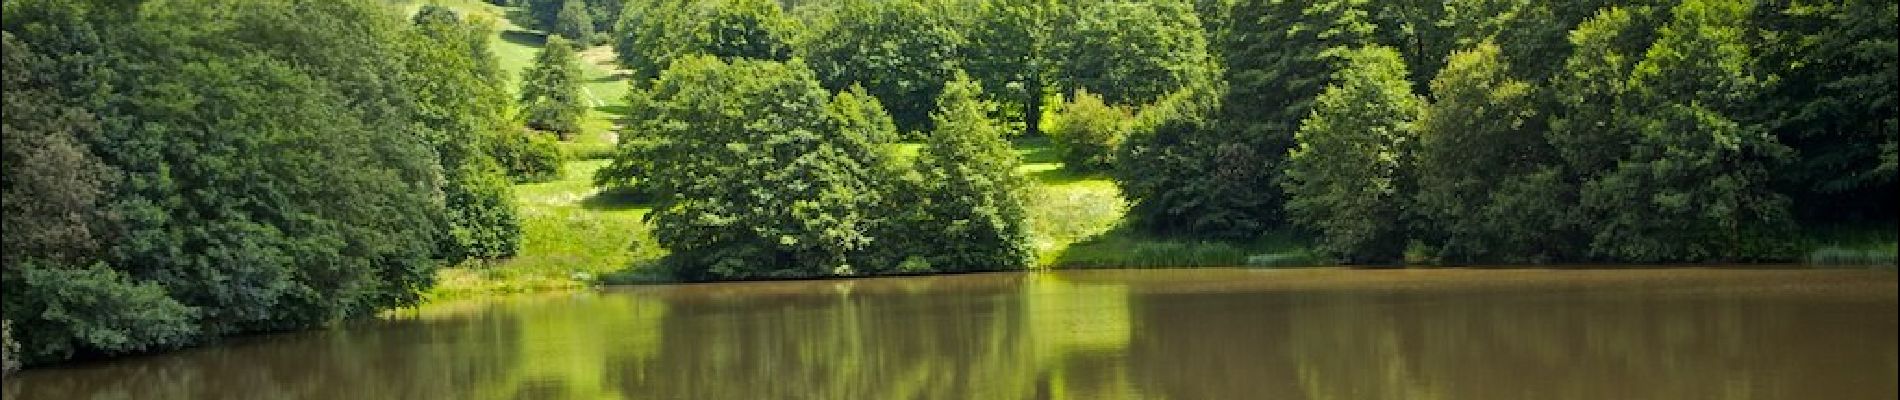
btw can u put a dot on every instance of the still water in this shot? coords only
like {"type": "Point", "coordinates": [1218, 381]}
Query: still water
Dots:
{"type": "Point", "coordinates": [1110, 334]}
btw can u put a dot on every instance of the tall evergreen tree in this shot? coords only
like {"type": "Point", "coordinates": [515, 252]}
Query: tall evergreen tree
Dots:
{"type": "Point", "coordinates": [551, 90]}
{"type": "Point", "coordinates": [974, 195]}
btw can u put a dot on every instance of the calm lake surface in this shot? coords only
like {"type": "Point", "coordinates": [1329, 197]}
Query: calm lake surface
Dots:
{"type": "Point", "coordinates": [1108, 334]}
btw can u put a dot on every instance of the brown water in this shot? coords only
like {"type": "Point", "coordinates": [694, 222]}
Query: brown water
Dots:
{"type": "Point", "coordinates": [1176, 334]}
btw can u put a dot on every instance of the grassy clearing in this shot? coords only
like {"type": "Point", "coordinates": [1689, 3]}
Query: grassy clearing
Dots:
{"type": "Point", "coordinates": [573, 235]}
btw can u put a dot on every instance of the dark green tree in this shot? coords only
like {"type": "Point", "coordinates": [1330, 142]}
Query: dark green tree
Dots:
{"type": "Point", "coordinates": [1692, 185]}
{"type": "Point", "coordinates": [464, 107]}
{"type": "Point", "coordinates": [1216, 173]}
{"type": "Point", "coordinates": [1834, 104]}
{"type": "Point", "coordinates": [281, 165]}
{"type": "Point", "coordinates": [1133, 53]}
{"type": "Point", "coordinates": [974, 194]}
{"type": "Point", "coordinates": [574, 21]}
{"type": "Point", "coordinates": [1489, 186]}
{"type": "Point", "coordinates": [1009, 50]}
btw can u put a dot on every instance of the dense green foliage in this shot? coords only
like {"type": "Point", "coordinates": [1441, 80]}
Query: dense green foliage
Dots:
{"type": "Point", "coordinates": [1276, 57]}
{"type": "Point", "coordinates": [528, 156]}
{"type": "Point", "coordinates": [1487, 186]}
{"type": "Point", "coordinates": [465, 114]}
{"type": "Point", "coordinates": [1833, 102]}
{"type": "Point", "coordinates": [551, 90]}
{"type": "Point", "coordinates": [1008, 48]}
{"type": "Point", "coordinates": [1692, 183]}
{"type": "Point", "coordinates": [973, 194]}
{"type": "Point", "coordinates": [182, 170]}
{"type": "Point", "coordinates": [1088, 132]}
{"type": "Point", "coordinates": [758, 172]}
{"type": "Point", "coordinates": [901, 52]}
{"type": "Point", "coordinates": [651, 34]}
{"type": "Point", "coordinates": [574, 21]}
{"type": "Point", "coordinates": [753, 173]}
{"type": "Point", "coordinates": [578, 20]}
{"type": "Point", "coordinates": [1346, 177]}
{"type": "Point", "coordinates": [1646, 131]}
{"type": "Point", "coordinates": [1134, 52]}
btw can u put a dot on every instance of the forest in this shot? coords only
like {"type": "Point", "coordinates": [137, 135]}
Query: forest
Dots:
{"type": "Point", "coordinates": [177, 171]}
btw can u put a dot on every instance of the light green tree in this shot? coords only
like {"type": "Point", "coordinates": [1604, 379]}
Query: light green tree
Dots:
{"type": "Point", "coordinates": [973, 197]}
{"type": "Point", "coordinates": [1346, 179]}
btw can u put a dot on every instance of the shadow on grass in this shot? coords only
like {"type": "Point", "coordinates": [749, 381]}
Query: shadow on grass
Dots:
{"type": "Point", "coordinates": [617, 200]}
{"type": "Point", "coordinates": [608, 78]}
{"type": "Point", "coordinates": [1062, 175]}
{"type": "Point", "coordinates": [1036, 150]}
{"type": "Point", "coordinates": [615, 109]}
{"type": "Point", "coordinates": [524, 38]}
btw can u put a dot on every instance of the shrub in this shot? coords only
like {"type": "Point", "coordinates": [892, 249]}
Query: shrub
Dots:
{"type": "Point", "coordinates": [65, 310]}
{"type": "Point", "coordinates": [1088, 132]}
{"type": "Point", "coordinates": [528, 156]}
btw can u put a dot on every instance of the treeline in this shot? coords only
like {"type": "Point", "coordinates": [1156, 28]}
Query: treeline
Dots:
{"type": "Point", "coordinates": [768, 137]}
{"type": "Point", "coordinates": [1458, 131]}
{"type": "Point", "coordinates": [1648, 131]}
{"type": "Point", "coordinates": [181, 170]}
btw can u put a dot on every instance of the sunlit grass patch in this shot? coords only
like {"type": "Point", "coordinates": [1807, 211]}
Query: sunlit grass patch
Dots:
{"type": "Point", "coordinates": [573, 235]}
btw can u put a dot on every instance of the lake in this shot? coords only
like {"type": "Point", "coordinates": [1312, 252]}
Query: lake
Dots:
{"type": "Point", "coordinates": [1705, 333]}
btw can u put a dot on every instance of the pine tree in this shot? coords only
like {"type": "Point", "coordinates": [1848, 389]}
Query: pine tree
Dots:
{"type": "Point", "coordinates": [551, 91]}
{"type": "Point", "coordinates": [974, 199]}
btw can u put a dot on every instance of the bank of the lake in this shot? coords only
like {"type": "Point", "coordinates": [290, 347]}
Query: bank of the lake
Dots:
{"type": "Point", "coordinates": [1309, 333]}
{"type": "Point", "coordinates": [577, 236]}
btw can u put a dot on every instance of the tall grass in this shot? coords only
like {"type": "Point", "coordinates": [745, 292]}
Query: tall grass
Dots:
{"type": "Point", "coordinates": [1125, 248]}
{"type": "Point", "coordinates": [573, 236]}
{"type": "Point", "coordinates": [1853, 245]}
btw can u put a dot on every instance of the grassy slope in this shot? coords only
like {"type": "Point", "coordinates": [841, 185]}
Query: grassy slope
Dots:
{"type": "Point", "coordinates": [572, 233]}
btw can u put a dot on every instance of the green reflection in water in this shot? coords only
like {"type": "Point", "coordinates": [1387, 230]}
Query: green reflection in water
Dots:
{"type": "Point", "coordinates": [1168, 334]}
